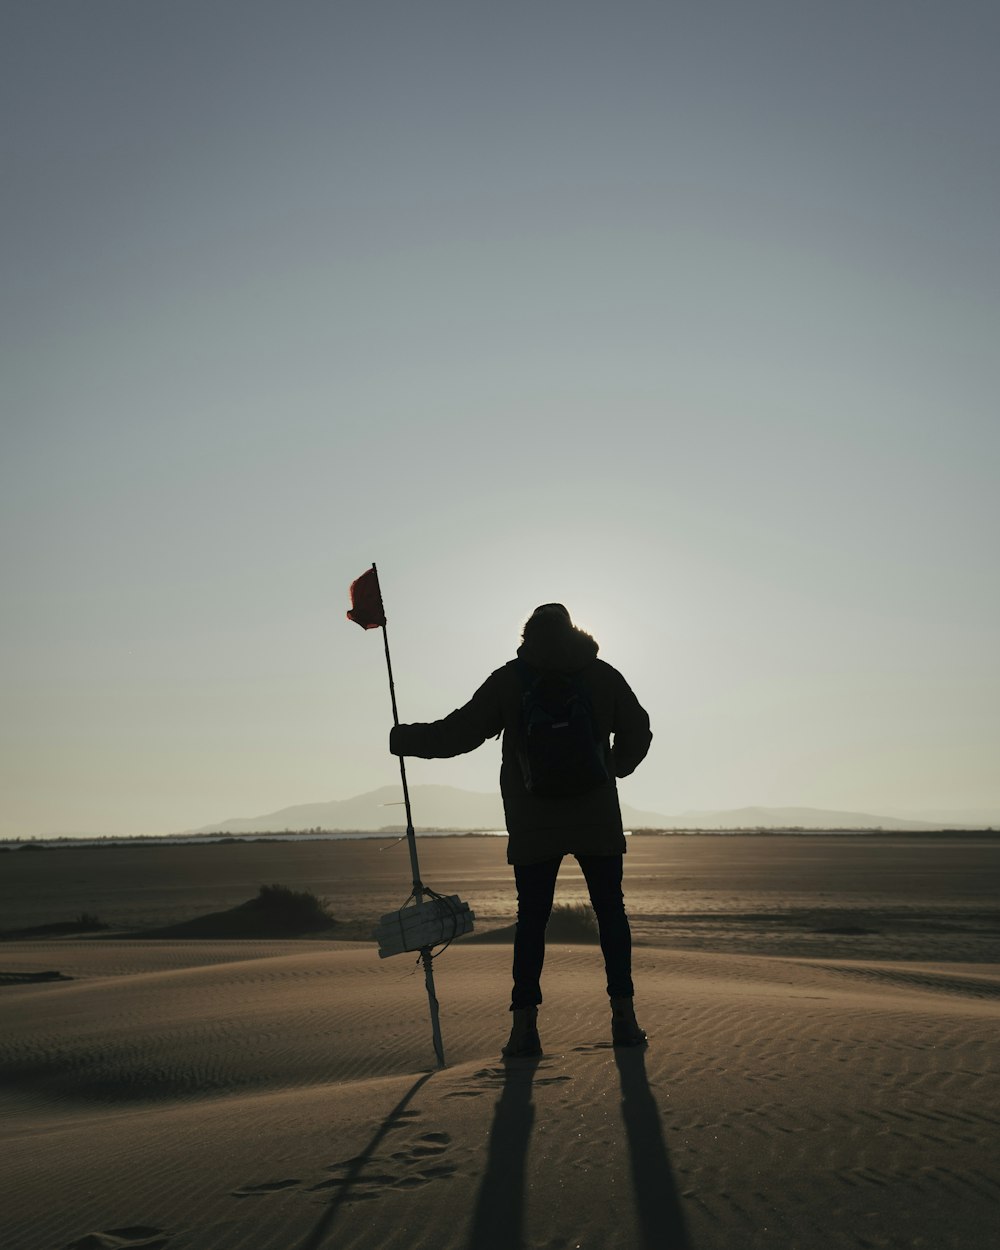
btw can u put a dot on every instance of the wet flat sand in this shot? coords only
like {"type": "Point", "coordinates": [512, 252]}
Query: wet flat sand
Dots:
{"type": "Point", "coordinates": [801, 1089]}
{"type": "Point", "coordinates": [899, 896]}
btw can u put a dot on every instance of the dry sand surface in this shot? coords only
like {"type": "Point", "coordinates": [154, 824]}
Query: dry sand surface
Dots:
{"type": "Point", "coordinates": [281, 1095]}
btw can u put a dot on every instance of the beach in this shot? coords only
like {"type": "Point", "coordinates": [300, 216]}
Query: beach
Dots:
{"type": "Point", "coordinates": [822, 1066]}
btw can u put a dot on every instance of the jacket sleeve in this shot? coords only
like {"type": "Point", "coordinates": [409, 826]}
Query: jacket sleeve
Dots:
{"type": "Point", "coordinates": [631, 731]}
{"type": "Point", "coordinates": [463, 730]}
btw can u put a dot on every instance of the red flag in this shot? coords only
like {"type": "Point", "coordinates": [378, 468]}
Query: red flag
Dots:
{"type": "Point", "coordinates": [366, 601]}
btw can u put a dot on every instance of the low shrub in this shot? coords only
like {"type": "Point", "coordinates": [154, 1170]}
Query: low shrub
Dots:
{"type": "Point", "coordinates": [291, 907]}
{"type": "Point", "coordinates": [572, 922]}
{"type": "Point", "coordinates": [87, 922]}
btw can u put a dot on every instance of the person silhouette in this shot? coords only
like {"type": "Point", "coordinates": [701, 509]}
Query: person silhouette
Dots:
{"type": "Point", "coordinates": [554, 655]}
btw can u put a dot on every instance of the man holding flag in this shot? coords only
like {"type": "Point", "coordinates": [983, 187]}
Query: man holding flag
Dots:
{"type": "Point", "coordinates": [571, 725]}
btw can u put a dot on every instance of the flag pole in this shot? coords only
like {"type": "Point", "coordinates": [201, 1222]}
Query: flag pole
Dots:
{"type": "Point", "coordinates": [411, 842]}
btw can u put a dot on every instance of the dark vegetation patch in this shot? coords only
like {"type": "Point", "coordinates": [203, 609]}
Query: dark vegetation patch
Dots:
{"type": "Point", "coordinates": [276, 912]}
{"type": "Point", "coordinates": [31, 978]}
{"type": "Point", "coordinates": [84, 923]}
{"type": "Point", "coordinates": [569, 922]}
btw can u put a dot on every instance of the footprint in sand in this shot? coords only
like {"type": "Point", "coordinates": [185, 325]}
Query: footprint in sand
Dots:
{"type": "Point", "coordinates": [364, 1176]}
{"type": "Point", "coordinates": [416, 1165]}
{"type": "Point", "coordinates": [136, 1237]}
{"type": "Point", "coordinates": [402, 1118]}
{"type": "Point", "coordinates": [486, 1078]}
{"type": "Point", "coordinates": [265, 1187]}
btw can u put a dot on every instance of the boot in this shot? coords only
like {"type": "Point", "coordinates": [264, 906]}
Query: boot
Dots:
{"type": "Point", "coordinates": [523, 1040]}
{"type": "Point", "coordinates": [625, 1029]}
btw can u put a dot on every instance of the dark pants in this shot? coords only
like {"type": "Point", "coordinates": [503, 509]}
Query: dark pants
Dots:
{"type": "Point", "coordinates": [536, 885]}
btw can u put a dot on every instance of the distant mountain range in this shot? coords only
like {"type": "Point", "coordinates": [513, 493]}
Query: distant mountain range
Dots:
{"type": "Point", "coordinates": [447, 807]}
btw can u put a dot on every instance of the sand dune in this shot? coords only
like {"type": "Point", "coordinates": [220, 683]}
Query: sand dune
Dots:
{"type": "Point", "coordinates": [822, 1072]}
{"type": "Point", "coordinates": [280, 1096]}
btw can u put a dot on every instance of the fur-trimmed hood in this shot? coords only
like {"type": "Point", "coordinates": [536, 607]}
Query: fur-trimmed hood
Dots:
{"type": "Point", "coordinates": [554, 645]}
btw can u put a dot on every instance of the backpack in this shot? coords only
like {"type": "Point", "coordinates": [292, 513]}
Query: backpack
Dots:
{"type": "Point", "coordinates": [558, 748]}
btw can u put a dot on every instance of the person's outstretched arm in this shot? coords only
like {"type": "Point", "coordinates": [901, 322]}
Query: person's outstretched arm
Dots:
{"type": "Point", "coordinates": [463, 730]}
{"type": "Point", "coordinates": [631, 732]}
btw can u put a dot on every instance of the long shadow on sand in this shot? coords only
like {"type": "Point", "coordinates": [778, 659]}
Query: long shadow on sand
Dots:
{"type": "Point", "coordinates": [498, 1219]}
{"type": "Point", "coordinates": [325, 1223]}
{"type": "Point", "coordinates": [658, 1204]}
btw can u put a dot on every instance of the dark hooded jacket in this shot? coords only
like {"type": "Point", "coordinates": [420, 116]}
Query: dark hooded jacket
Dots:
{"type": "Point", "coordinates": [541, 828]}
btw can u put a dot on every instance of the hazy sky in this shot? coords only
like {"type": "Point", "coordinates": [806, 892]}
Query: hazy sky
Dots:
{"type": "Point", "coordinates": [684, 314]}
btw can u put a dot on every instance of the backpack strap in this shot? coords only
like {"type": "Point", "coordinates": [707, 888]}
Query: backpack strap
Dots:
{"type": "Point", "coordinates": [527, 674]}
